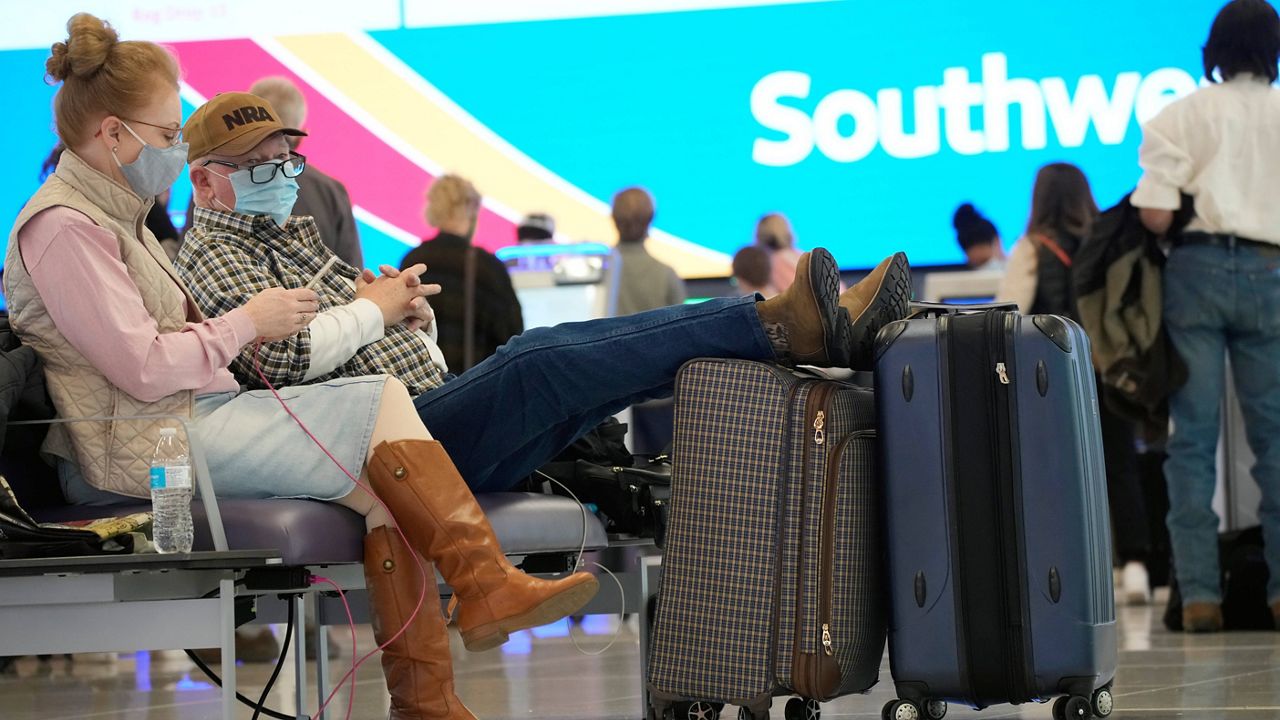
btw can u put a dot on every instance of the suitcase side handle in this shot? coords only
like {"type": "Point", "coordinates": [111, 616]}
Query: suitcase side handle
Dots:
{"type": "Point", "coordinates": [935, 309]}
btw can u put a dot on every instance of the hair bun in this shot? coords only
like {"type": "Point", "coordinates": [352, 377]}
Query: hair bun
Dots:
{"type": "Point", "coordinates": [966, 215]}
{"type": "Point", "coordinates": [88, 45]}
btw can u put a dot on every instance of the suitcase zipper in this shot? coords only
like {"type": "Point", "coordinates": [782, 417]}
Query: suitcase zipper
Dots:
{"type": "Point", "coordinates": [997, 333]}
{"type": "Point", "coordinates": [815, 414]}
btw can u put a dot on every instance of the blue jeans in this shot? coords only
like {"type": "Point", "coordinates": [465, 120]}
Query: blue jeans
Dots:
{"type": "Point", "coordinates": [518, 408]}
{"type": "Point", "coordinates": [1219, 300]}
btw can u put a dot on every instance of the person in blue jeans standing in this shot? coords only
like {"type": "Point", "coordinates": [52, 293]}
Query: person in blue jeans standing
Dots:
{"type": "Point", "coordinates": [1221, 145]}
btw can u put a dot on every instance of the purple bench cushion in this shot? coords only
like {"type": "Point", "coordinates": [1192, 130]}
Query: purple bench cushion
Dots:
{"type": "Point", "coordinates": [307, 532]}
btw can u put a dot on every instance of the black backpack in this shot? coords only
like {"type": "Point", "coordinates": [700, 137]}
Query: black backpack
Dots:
{"type": "Point", "coordinates": [630, 494]}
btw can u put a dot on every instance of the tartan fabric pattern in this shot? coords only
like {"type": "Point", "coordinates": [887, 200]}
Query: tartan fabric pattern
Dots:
{"type": "Point", "coordinates": [855, 584]}
{"type": "Point", "coordinates": [794, 528]}
{"type": "Point", "coordinates": [712, 639]}
{"type": "Point", "coordinates": [859, 618]}
{"type": "Point", "coordinates": [741, 431]}
{"type": "Point", "coordinates": [227, 258]}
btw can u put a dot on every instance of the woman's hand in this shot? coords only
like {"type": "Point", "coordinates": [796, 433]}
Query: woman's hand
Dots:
{"type": "Point", "coordinates": [278, 313]}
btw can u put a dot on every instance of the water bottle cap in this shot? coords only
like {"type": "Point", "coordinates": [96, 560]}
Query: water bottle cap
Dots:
{"type": "Point", "coordinates": [168, 432]}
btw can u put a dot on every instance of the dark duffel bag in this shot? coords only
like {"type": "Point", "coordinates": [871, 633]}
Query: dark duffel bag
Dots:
{"type": "Point", "coordinates": [629, 493]}
{"type": "Point", "coordinates": [629, 500]}
{"type": "Point", "coordinates": [1244, 584]}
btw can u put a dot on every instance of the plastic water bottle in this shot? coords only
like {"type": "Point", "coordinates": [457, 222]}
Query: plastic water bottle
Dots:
{"type": "Point", "coordinates": [171, 494]}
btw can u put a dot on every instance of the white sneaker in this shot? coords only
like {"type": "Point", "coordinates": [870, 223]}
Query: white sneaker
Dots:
{"type": "Point", "coordinates": [1135, 586]}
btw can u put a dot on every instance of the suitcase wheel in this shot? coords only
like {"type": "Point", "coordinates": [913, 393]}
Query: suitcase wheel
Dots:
{"type": "Point", "coordinates": [802, 709]}
{"type": "Point", "coordinates": [1073, 707]}
{"type": "Point", "coordinates": [1103, 703]}
{"type": "Point", "coordinates": [935, 709]}
{"type": "Point", "coordinates": [699, 710]}
{"type": "Point", "coordinates": [900, 710]}
{"type": "Point", "coordinates": [746, 714]}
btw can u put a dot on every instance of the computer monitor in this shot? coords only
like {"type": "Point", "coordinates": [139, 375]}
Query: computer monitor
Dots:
{"type": "Point", "coordinates": [968, 287]}
{"type": "Point", "coordinates": [559, 283]}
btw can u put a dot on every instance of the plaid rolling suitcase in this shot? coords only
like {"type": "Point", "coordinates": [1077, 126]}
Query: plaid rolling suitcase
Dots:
{"type": "Point", "coordinates": [996, 525]}
{"type": "Point", "coordinates": [772, 573]}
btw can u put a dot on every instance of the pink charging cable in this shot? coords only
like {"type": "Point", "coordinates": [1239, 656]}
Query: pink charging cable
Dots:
{"type": "Point", "coordinates": [422, 568]}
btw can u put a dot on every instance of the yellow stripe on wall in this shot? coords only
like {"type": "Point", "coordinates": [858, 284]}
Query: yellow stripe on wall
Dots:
{"type": "Point", "coordinates": [418, 121]}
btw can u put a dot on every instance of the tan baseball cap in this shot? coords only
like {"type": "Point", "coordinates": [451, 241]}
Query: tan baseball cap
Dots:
{"type": "Point", "coordinates": [231, 124]}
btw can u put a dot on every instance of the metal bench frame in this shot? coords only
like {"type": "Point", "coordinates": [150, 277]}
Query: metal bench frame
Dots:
{"type": "Point", "coordinates": [134, 609]}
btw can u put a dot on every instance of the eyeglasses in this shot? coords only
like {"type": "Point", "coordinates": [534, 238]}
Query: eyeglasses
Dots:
{"type": "Point", "coordinates": [264, 172]}
{"type": "Point", "coordinates": [170, 141]}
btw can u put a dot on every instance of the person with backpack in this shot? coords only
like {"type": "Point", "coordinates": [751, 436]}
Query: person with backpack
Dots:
{"type": "Point", "coordinates": [1039, 279]}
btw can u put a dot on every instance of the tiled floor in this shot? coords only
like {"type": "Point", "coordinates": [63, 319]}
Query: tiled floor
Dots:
{"type": "Point", "coordinates": [1232, 676]}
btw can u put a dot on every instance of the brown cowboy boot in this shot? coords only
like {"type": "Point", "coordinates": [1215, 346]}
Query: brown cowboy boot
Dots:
{"type": "Point", "coordinates": [443, 522]}
{"type": "Point", "coordinates": [416, 664]}
{"type": "Point", "coordinates": [805, 323]}
{"type": "Point", "coordinates": [877, 300]}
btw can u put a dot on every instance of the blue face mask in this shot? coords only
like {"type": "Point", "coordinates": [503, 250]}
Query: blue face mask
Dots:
{"type": "Point", "coordinates": [275, 198]}
{"type": "Point", "coordinates": [155, 169]}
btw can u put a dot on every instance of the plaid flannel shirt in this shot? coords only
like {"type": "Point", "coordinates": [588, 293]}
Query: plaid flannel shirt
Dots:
{"type": "Point", "coordinates": [227, 258]}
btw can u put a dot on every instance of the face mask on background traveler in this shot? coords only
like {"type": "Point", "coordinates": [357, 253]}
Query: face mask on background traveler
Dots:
{"type": "Point", "coordinates": [156, 169]}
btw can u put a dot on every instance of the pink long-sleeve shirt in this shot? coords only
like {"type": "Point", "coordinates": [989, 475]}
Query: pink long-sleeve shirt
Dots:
{"type": "Point", "coordinates": [76, 266]}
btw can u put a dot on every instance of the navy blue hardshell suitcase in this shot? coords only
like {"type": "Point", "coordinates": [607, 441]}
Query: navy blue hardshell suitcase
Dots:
{"type": "Point", "coordinates": [996, 520]}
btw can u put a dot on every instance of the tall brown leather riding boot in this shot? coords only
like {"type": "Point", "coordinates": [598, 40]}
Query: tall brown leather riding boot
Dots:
{"type": "Point", "coordinates": [417, 665]}
{"type": "Point", "coordinates": [440, 517]}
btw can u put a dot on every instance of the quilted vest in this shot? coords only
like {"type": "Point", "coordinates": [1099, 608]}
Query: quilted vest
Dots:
{"type": "Point", "coordinates": [114, 455]}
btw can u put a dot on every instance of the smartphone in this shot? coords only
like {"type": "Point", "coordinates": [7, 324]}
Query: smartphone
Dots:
{"type": "Point", "coordinates": [315, 280]}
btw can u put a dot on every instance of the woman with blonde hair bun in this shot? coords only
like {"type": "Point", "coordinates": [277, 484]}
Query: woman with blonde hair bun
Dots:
{"type": "Point", "coordinates": [93, 293]}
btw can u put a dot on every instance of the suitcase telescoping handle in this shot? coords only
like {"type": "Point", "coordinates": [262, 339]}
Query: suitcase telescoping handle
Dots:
{"type": "Point", "coordinates": [933, 309]}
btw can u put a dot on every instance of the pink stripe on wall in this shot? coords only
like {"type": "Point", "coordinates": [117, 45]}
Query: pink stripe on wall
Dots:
{"type": "Point", "coordinates": [379, 178]}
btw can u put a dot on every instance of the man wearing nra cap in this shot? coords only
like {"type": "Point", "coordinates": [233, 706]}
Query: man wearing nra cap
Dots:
{"type": "Point", "coordinates": [243, 233]}
{"type": "Point", "coordinates": [536, 394]}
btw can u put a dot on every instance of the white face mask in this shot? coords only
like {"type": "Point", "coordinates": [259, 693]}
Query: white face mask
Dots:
{"type": "Point", "coordinates": [156, 169]}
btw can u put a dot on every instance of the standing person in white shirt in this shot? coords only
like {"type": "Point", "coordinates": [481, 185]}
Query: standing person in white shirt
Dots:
{"type": "Point", "coordinates": [1221, 145]}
